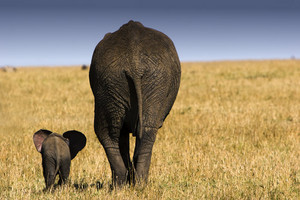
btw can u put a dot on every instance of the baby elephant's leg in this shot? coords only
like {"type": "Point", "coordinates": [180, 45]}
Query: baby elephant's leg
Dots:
{"type": "Point", "coordinates": [64, 172]}
{"type": "Point", "coordinates": [49, 173]}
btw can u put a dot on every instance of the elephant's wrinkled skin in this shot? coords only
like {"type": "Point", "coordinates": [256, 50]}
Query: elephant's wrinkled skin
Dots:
{"type": "Point", "coordinates": [134, 75]}
{"type": "Point", "coordinates": [57, 152]}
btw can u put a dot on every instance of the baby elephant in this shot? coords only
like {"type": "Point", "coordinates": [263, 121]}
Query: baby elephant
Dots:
{"type": "Point", "coordinates": [57, 152]}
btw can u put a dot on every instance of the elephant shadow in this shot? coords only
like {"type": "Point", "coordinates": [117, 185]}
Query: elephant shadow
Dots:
{"type": "Point", "coordinates": [83, 186]}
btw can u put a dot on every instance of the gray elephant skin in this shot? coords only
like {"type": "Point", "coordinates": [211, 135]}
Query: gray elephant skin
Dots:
{"type": "Point", "coordinates": [57, 152]}
{"type": "Point", "coordinates": [134, 76]}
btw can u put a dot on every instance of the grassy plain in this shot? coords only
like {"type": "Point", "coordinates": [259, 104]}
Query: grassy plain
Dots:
{"type": "Point", "coordinates": [233, 133]}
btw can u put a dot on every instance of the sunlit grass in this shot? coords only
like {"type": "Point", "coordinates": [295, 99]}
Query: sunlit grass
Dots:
{"type": "Point", "coordinates": [233, 133]}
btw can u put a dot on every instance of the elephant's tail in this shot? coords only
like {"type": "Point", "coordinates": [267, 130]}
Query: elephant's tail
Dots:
{"type": "Point", "coordinates": [138, 125]}
{"type": "Point", "coordinates": [138, 91]}
{"type": "Point", "coordinates": [138, 88]}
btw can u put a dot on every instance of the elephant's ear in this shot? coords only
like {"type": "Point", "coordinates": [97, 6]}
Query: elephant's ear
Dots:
{"type": "Point", "coordinates": [77, 141]}
{"type": "Point", "coordinates": [39, 137]}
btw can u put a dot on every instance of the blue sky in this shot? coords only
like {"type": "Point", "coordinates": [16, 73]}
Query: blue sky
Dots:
{"type": "Point", "coordinates": [41, 32]}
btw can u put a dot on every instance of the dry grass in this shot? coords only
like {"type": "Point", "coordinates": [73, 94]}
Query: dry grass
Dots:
{"type": "Point", "coordinates": [233, 133]}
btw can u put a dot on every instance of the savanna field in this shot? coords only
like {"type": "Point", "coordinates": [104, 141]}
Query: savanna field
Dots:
{"type": "Point", "coordinates": [233, 133]}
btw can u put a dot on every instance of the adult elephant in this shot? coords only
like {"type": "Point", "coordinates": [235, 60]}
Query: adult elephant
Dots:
{"type": "Point", "coordinates": [135, 76]}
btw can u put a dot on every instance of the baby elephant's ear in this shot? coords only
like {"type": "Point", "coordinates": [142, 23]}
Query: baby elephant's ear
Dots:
{"type": "Point", "coordinates": [39, 137]}
{"type": "Point", "coordinates": [77, 141]}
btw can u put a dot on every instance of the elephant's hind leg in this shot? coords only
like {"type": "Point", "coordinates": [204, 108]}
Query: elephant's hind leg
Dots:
{"type": "Point", "coordinates": [64, 172]}
{"type": "Point", "coordinates": [109, 137]}
{"type": "Point", "coordinates": [49, 172]}
{"type": "Point", "coordinates": [143, 152]}
{"type": "Point", "coordinates": [124, 149]}
{"type": "Point", "coordinates": [113, 152]}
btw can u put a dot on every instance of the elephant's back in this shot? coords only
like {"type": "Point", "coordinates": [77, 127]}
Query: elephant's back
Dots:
{"type": "Point", "coordinates": [55, 146]}
{"type": "Point", "coordinates": [135, 48]}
